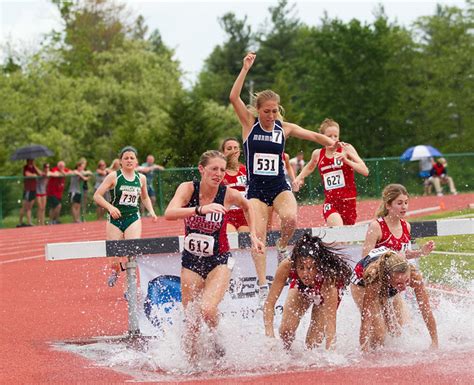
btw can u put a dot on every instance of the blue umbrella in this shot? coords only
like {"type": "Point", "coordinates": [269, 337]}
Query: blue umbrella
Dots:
{"type": "Point", "coordinates": [419, 152]}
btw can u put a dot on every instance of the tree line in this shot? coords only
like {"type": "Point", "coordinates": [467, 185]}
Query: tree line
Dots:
{"type": "Point", "coordinates": [103, 82]}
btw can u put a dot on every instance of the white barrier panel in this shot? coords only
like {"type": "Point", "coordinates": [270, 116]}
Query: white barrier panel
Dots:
{"type": "Point", "coordinates": [455, 226]}
{"type": "Point", "coordinates": [75, 250]}
{"type": "Point", "coordinates": [160, 290]}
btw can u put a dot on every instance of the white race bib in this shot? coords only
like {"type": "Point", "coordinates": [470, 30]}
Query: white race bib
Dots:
{"type": "Point", "coordinates": [334, 179]}
{"type": "Point", "coordinates": [241, 180]}
{"type": "Point", "coordinates": [266, 164]}
{"type": "Point", "coordinates": [378, 251]}
{"type": "Point", "coordinates": [199, 244]}
{"type": "Point", "coordinates": [129, 198]}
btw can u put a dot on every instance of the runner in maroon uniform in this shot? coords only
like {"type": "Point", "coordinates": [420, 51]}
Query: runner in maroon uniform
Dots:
{"type": "Point", "coordinates": [381, 275]}
{"type": "Point", "coordinates": [235, 177]}
{"type": "Point", "coordinates": [317, 275]}
{"type": "Point", "coordinates": [390, 229]}
{"type": "Point", "coordinates": [206, 261]}
{"type": "Point", "coordinates": [336, 164]}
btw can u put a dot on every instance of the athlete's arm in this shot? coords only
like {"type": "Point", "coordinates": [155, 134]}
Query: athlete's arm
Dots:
{"type": "Point", "coordinates": [307, 169]}
{"type": "Point", "coordinates": [374, 233]}
{"type": "Point", "coordinates": [245, 116]}
{"type": "Point", "coordinates": [182, 196]}
{"type": "Point", "coordinates": [278, 283]}
{"type": "Point", "coordinates": [425, 250]}
{"type": "Point", "coordinates": [296, 131]}
{"type": "Point", "coordinates": [368, 314]}
{"type": "Point", "coordinates": [146, 198]}
{"type": "Point", "coordinates": [289, 168]}
{"type": "Point", "coordinates": [350, 157]}
{"type": "Point", "coordinates": [329, 309]}
{"type": "Point", "coordinates": [416, 282]}
{"type": "Point", "coordinates": [107, 184]}
{"type": "Point", "coordinates": [233, 197]}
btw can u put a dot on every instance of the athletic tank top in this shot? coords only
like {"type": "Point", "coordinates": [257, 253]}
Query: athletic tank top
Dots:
{"type": "Point", "coordinates": [74, 186]}
{"type": "Point", "coordinates": [126, 194]}
{"type": "Point", "coordinates": [237, 182]}
{"type": "Point", "coordinates": [312, 293]}
{"type": "Point", "coordinates": [338, 177]}
{"type": "Point", "coordinates": [206, 235]}
{"type": "Point", "coordinates": [389, 240]}
{"type": "Point", "coordinates": [264, 156]}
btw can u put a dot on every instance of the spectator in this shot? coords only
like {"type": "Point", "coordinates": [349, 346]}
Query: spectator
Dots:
{"type": "Point", "coordinates": [100, 175]}
{"type": "Point", "coordinates": [79, 176]}
{"type": "Point", "coordinates": [425, 173]}
{"type": "Point", "coordinates": [85, 184]}
{"type": "Point", "coordinates": [297, 163]}
{"type": "Point", "coordinates": [148, 168]}
{"type": "Point", "coordinates": [29, 191]}
{"type": "Point", "coordinates": [55, 189]}
{"type": "Point", "coordinates": [41, 184]}
{"type": "Point", "coordinates": [439, 176]}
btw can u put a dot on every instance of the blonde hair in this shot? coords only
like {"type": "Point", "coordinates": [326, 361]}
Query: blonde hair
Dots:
{"type": "Point", "coordinates": [380, 271]}
{"type": "Point", "coordinates": [211, 154]}
{"type": "Point", "coordinates": [263, 96]}
{"type": "Point", "coordinates": [389, 194]}
{"type": "Point", "coordinates": [326, 123]}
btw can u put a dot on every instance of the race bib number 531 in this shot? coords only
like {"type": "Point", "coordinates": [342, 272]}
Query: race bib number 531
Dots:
{"type": "Point", "coordinates": [266, 164]}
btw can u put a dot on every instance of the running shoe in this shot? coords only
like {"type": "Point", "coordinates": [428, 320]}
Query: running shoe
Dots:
{"type": "Point", "coordinates": [262, 295]}
{"type": "Point", "coordinates": [282, 254]}
{"type": "Point", "coordinates": [112, 280]}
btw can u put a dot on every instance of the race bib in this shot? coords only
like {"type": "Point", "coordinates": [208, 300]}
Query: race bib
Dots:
{"type": "Point", "coordinates": [334, 179]}
{"type": "Point", "coordinates": [129, 198]}
{"type": "Point", "coordinates": [378, 251]}
{"type": "Point", "coordinates": [266, 164]}
{"type": "Point", "coordinates": [199, 244]}
{"type": "Point", "coordinates": [241, 180]}
{"type": "Point", "coordinates": [214, 217]}
{"type": "Point", "coordinates": [277, 136]}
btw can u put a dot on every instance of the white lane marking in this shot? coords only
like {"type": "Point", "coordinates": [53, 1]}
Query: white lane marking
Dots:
{"type": "Point", "coordinates": [453, 253]}
{"type": "Point", "coordinates": [20, 259]}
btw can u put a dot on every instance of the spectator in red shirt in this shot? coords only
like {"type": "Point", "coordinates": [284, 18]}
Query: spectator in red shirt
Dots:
{"type": "Point", "coordinates": [29, 191]}
{"type": "Point", "coordinates": [55, 189]}
{"type": "Point", "coordinates": [439, 177]}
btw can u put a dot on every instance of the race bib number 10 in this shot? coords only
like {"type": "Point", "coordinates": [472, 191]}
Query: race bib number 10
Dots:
{"type": "Point", "coordinates": [266, 164]}
{"type": "Point", "coordinates": [199, 244]}
{"type": "Point", "coordinates": [333, 180]}
{"type": "Point", "coordinates": [129, 198]}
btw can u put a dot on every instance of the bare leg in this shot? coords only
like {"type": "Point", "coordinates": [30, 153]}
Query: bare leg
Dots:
{"type": "Point", "coordinates": [286, 207]}
{"type": "Point", "coordinates": [293, 310]}
{"type": "Point", "coordinates": [261, 219]}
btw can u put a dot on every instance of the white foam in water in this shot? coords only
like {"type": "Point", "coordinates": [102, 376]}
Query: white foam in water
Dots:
{"type": "Point", "coordinates": [249, 352]}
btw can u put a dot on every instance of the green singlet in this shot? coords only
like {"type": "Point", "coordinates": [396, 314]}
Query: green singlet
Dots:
{"type": "Point", "coordinates": [126, 197]}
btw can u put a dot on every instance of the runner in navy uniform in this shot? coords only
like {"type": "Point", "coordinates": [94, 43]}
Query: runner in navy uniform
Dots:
{"type": "Point", "coordinates": [264, 134]}
{"type": "Point", "coordinates": [206, 261]}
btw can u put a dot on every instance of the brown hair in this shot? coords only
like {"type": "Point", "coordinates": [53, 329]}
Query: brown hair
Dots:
{"type": "Point", "coordinates": [327, 123]}
{"type": "Point", "coordinates": [261, 97]}
{"type": "Point", "coordinates": [210, 154]}
{"type": "Point", "coordinates": [382, 268]}
{"type": "Point", "coordinates": [389, 194]}
{"type": "Point", "coordinates": [329, 261]}
{"type": "Point", "coordinates": [228, 140]}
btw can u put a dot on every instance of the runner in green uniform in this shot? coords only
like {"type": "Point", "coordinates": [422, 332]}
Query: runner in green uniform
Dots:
{"type": "Point", "coordinates": [127, 187]}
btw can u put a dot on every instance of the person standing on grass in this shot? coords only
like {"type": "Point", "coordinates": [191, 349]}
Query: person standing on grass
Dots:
{"type": "Point", "coordinates": [264, 134]}
{"type": "Point", "coordinates": [55, 189]}
{"type": "Point", "coordinates": [127, 187]}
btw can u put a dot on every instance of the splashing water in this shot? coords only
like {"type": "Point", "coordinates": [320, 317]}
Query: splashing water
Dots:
{"type": "Point", "coordinates": [249, 352]}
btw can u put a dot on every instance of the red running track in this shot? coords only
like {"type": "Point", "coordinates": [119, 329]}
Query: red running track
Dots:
{"type": "Point", "coordinates": [44, 302]}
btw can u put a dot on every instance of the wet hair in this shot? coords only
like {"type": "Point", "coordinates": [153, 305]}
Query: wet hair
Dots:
{"type": "Point", "coordinates": [261, 97]}
{"type": "Point", "coordinates": [380, 271]}
{"type": "Point", "coordinates": [389, 194]}
{"type": "Point", "coordinates": [224, 142]}
{"type": "Point", "coordinates": [329, 261]}
{"type": "Point", "coordinates": [326, 123]}
{"type": "Point", "coordinates": [127, 149]}
{"type": "Point", "coordinates": [210, 154]}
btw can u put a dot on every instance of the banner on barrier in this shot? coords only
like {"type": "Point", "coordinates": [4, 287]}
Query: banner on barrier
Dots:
{"type": "Point", "coordinates": [161, 293]}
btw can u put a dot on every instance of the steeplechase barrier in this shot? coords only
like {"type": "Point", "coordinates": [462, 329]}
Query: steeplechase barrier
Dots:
{"type": "Point", "coordinates": [165, 246]}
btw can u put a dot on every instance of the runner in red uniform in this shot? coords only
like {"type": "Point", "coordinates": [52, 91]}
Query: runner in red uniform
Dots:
{"type": "Point", "coordinates": [390, 229]}
{"type": "Point", "coordinates": [317, 276]}
{"type": "Point", "coordinates": [336, 164]}
{"type": "Point", "coordinates": [235, 177]}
